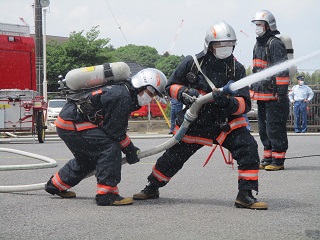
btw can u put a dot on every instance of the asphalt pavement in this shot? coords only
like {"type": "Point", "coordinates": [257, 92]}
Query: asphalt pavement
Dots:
{"type": "Point", "coordinates": [198, 203]}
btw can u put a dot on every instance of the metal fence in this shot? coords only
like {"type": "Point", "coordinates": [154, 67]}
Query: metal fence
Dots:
{"type": "Point", "coordinates": [313, 118]}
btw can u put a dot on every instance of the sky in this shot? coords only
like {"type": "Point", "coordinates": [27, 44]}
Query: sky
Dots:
{"type": "Point", "coordinates": [176, 26]}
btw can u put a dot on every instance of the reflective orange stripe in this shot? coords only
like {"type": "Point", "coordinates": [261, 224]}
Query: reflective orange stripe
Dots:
{"type": "Point", "coordinates": [125, 142]}
{"type": "Point", "coordinates": [260, 63]}
{"type": "Point", "coordinates": [159, 175]}
{"type": "Point", "coordinates": [193, 139]}
{"type": "Point", "coordinates": [248, 174]}
{"type": "Point", "coordinates": [104, 189]}
{"type": "Point", "coordinates": [99, 91]}
{"type": "Point", "coordinates": [234, 124]}
{"type": "Point", "coordinates": [282, 80]}
{"type": "Point", "coordinates": [69, 125]}
{"type": "Point", "coordinates": [58, 183]}
{"type": "Point", "coordinates": [222, 136]}
{"type": "Point", "coordinates": [174, 90]}
{"type": "Point", "coordinates": [242, 106]}
{"type": "Point", "coordinates": [267, 153]}
{"type": "Point", "coordinates": [197, 140]}
{"type": "Point", "coordinates": [264, 96]}
{"type": "Point", "coordinates": [278, 154]}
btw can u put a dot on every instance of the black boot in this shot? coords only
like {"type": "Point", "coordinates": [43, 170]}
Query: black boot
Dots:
{"type": "Point", "coordinates": [265, 162]}
{"type": "Point", "coordinates": [276, 164]}
{"type": "Point", "coordinates": [112, 199]}
{"type": "Point", "coordinates": [149, 192]}
{"type": "Point", "coordinates": [246, 200]}
{"type": "Point", "coordinates": [50, 188]}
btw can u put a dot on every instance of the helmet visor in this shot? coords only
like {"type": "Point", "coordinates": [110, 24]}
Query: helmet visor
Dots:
{"type": "Point", "coordinates": [154, 94]}
{"type": "Point", "coordinates": [224, 44]}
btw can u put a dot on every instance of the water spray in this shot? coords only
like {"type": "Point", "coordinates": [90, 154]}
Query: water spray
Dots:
{"type": "Point", "coordinates": [259, 76]}
{"type": "Point", "coordinates": [192, 113]}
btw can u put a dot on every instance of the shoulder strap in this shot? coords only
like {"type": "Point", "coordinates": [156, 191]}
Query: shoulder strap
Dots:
{"type": "Point", "coordinates": [268, 47]}
{"type": "Point", "coordinates": [199, 68]}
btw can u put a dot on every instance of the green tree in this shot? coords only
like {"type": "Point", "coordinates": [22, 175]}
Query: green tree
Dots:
{"type": "Point", "coordinates": [144, 55]}
{"type": "Point", "coordinates": [167, 64]}
{"type": "Point", "coordinates": [313, 79]}
{"type": "Point", "coordinates": [78, 51]}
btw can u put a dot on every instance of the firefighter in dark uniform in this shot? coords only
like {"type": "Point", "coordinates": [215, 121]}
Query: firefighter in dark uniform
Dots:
{"type": "Point", "coordinates": [271, 94]}
{"type": "Point", "coordinates": [219, 122]}
{"type": "Point", "coordinates": [96, 141]}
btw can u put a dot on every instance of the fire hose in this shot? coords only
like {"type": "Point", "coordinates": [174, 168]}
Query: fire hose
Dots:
{"type": "Point", "coordinates": [192, 113]}
{"type": "Point", "coordinates": [20, 188]}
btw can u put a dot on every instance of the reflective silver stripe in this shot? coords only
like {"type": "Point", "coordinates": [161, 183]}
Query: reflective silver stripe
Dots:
{"type": "Point", "coordinates": [248, 174]}
{"type": "Point", "coordinates": [125, 142]}
{"type": "Point", "coordinates": [283, 81]}
{"type": "Point", "coordinates": [278, 155]}
{"type": "Point", "coordinates": [257, 95]}
{"type": "Point", "coordinates": [58, 184]}
{"type": "Point", "coordinates": [105, 190]}
{"type": "Point", "coordinates": [161, 178]}
{"type": "Point", "coordinates": [239, 121]}
{"type": "Point", "coordinates": [202, 141]}
{"type": "Point", "coordinates": [64, 125]}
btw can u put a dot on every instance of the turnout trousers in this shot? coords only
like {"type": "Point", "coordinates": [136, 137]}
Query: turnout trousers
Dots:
{"type": "Point", "coordinates": [272, 123]}
{"type": "Point", "coordinates": [239, 142]}
{"type": "Point", "coordinates": [93, 150]}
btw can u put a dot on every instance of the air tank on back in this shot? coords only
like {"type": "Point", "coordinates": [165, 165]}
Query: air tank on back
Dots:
{"type": "Point", "coordinates": [288, 43]}
{"type": "Point", "coordinates": [88, 77]}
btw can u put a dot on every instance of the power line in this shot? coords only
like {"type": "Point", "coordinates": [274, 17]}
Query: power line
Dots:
{"type": "Point", "coordinates": [117, 23]}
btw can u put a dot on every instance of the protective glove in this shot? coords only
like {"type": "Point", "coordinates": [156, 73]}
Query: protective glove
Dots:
{"type": "Point", "coordinates": [220, 99]}
{"type": "Point", "coordinates": [226, 89]}
{"type": "Point", "coordinates": [131, 153]}
{"type": "Point", "coordinates": [192, 93]}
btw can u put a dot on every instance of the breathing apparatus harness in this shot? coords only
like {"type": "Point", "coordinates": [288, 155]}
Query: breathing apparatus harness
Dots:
{"type": "Point", "coordinates": [267, 86]}
{"type": "Point", "coordinates": [192, 75]}
{"type": "Point", "coordinates": [224, 126]}
{"type": "Point", "coordinates": [81, 98]}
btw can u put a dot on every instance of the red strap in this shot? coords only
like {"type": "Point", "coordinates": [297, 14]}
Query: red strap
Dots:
{"type": "Point", "coordinates": [214, 148]}
{"type": "Point", "coordinates": [230, 158]}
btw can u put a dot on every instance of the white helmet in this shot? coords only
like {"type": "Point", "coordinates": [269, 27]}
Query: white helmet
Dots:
{"type": "Point", "coordinates": [150, 77]}
{"type": "Point", "coordinates": [265, 15]}
{"type": "Point", "coordinates": [219, 32]}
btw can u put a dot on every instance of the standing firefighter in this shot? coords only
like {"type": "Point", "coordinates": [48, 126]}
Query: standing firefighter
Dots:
{"type": "Point", "coordinates": [271, 94]}
{"type": "Point", "coordinates": [219, 122]}
{"type": "Point", "coordinates": [96, 139]}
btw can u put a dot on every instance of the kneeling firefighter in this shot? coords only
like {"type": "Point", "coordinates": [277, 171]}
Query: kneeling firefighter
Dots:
{"type": "Point", "coordinates": [219, 122]}
{"type": "Point", "coordinates": [94, 129]}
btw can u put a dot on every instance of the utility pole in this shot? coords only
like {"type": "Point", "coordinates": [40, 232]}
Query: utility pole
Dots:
{"type": "Point", "coordinates": [39, 45]}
